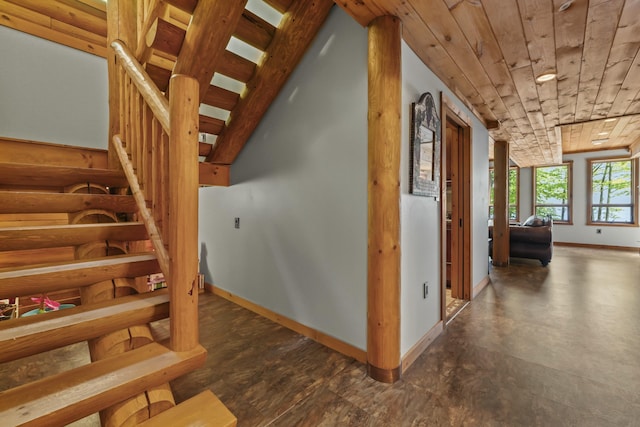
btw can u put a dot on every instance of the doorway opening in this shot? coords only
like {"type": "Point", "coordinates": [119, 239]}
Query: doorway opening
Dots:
{"type": "Point", "coordinates": [456, 210]}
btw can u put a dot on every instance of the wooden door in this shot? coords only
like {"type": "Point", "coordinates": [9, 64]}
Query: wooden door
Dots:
{"type": "Point", "coordinates": [454, 173]}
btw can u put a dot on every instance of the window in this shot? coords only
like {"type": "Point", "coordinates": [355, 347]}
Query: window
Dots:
{"type": "Point", "coordinates": [552, 192]}
{"type": "Point", "coordinates": [612, 199]}
{"type": "Point", "coordinates": [514, 193]}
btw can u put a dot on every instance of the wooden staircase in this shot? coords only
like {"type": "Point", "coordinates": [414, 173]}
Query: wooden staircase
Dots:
{"type": "Point", "coordinates": [100, 247]}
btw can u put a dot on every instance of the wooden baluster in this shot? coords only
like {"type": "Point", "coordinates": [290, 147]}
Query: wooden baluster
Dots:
{"type": "Point", "coordinates": [139, 105]}
{"type": "Point", "coordinates": [127, 115]}
{"type": "Point", "coordinates": [121, 82]}
{"type": "Point", "coordinates": [183, 211]}
{"type": "Point", "coordinates": [156, 140]}
{"type": "Point", "coordinates": [146, 150]}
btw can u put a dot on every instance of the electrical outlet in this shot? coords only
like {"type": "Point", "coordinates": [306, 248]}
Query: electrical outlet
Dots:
{"type": "Point", "coordinates": [598, 230]}
{"type": "Point", "coordinates": [425, 290]}
{"type": "Point", "coordinates": [237, 222]}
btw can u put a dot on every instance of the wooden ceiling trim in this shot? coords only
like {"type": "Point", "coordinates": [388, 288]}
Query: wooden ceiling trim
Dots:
{"type": "Point", "coordinates": [298, 28]}
{"type": "Point", "coordinates": [569, 28]}
{"type": "Point", "coordinates": [621, 58]}
{"type": "Point", "coordinates": [602, 22]}
{"type": "Point", "coordinates": [634, 149]}
{"type": "Point", "coordinates": [77, 18]}
{"type": "Point", "coordinates": [255, 31]}
{"type": "Point", "coordinates": [30, 22]}
{"type": "Point", "coordinates": [210, 29]}
{"type": "Point", "coordinates": [221, 98]}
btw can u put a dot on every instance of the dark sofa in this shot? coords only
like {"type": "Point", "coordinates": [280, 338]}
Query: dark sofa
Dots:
{"type": "Point", "coordinates": [533, 239]}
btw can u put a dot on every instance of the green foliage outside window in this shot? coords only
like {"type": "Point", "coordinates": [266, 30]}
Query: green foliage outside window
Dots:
{"type": "Point", "coordinates": [612, 198]}
{"type": "Point", "coordinates": [552, 197]}
{"type": "Point", "coordinates": [513, 193]}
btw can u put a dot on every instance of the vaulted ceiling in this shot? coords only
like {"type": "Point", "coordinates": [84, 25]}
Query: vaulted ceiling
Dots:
{"type": "Point", "coordinates": [488, 52]}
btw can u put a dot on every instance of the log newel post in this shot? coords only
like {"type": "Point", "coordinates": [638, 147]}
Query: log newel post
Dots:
{"type": "Point", "coordinates": [183, 212]}
{"type": "Point", "coordinates": [383, 257]}
{"type": "Point", "coordinates": [500, 256]}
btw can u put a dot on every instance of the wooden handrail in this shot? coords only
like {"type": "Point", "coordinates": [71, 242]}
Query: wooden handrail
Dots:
{"type": "Point", "coordinates": [147, 217]}
{"type": "Point", "coordinates": [157, 146]}
{"type": "Point", "coordinates": [150, 93]}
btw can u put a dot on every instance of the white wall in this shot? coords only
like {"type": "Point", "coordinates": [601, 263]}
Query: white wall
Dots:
{"type": "Point", "coordinates": [300, 191]}
{"type": "Point", "coordinates": [579, 231]}
{"type": "Point", "coordinates": [420, 216]}
{"type": "Point", "coordinates": [52, 93]}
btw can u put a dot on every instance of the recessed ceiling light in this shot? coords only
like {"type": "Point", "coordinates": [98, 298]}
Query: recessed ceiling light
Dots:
{"type": "Point", "coordinates": [564, 6]}
{"type": "Point", "coordinates": [545, 77]}
{"type": "Point", "coordinates": [603, 134]}
{"type": "Point", "coordinates": [599, 141]}
{"type": "Point", "coordinates": [610, 120]}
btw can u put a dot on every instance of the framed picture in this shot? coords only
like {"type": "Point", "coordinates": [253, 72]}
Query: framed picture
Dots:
{"type": "Point", "coordinates": [425, 148]}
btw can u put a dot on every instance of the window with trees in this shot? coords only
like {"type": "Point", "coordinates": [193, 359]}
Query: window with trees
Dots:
{"type": "Point", "coordinates": [552, 192]}
{"type": "Point", "coordinates": [612, 199]}
{"type": "Point", "coordinates": [514, 193]}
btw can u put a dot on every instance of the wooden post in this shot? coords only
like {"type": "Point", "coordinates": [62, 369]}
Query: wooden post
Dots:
{"type": "Point", "coordinates": [500, 255]}
{"type": "Point", "coordinates": [183, 212]}
{"type": "Point", "coordinates": [383, 258]}
{"type": "Point", "coordinates": [121, 25]}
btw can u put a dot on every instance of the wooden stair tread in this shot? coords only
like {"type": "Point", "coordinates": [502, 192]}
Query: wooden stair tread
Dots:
{"type": "Point", "coordinates": [30, 280]}
{"type": "Point", "coordinates": [51, 236]}
{"type": "Point", "coordinates": [58, 176]}
{"type": "Point", "coordinates": [33, 202]}
{"type": "Point", "coordinates": [69, 396]}
{"type": "Point", "coordinates": [204, 409]}
{"type": "Point", "coordinates": [26, 336]}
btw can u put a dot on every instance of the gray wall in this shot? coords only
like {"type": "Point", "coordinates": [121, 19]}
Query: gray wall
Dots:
{"type": "Point", "coordinates": [52, 93]}
{"type": "Point", "coordinates": [579, 231]}
{"type": "Point", "coordinates": [300, 191]}
{"type": "Point", "coordinates": [420, 216]}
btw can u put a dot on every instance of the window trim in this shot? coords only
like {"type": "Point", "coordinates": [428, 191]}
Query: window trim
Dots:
{"type": "Point", "coordinates": [569, 204]}
{"type": "Point", "coordinates": [634, 191]}
{"type": "Point", "coordinates": [517, 205]}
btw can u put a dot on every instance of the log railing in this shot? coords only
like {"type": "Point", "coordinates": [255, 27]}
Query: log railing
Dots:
{"type": "Point", "coordinates": [158, 149]}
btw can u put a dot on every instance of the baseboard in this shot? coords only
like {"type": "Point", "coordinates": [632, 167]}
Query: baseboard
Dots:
{"type": "Point", "coordinates": [422, 344]}
{"type": "Point", "coordinates": [480, 286]}
{"type": "Point", "coordinates": [320, 337]}
{"type": "Point", "coordinates": [594, 246]}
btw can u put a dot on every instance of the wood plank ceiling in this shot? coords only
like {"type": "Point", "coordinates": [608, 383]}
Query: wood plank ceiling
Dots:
{"type": "Point", "coordinates": [488, 52]}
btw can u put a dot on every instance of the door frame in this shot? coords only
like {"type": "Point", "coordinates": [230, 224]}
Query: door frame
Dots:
{"type": "Point", "coordinates": [449, 111]}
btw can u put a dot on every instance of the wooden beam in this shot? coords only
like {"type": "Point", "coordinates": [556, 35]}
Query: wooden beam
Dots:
{"type": "Point", "coordinates": [298, 28]}
{"type": "Point", "coordinates": [54, 236]}
{"type": "Point", "coordinates": [210, 174]}
{"type": "Point", "coordinates": [500, 255]}
{"type": "Point", "coordinates": [25, 281]}
{"type": "Point", "coordinates": [44, 153]}
{"type": "Point", "coordinates": [211, 27]}
{"type": "Point", "coordinates": [29, 202]}
{"type": "Point", "coordinates": [121, 19]}
{"type": "Point", "coordinates": [221, 98]}
{"type": "Point", "coordinates": [211, 125]}
{"type": "Point", "coordinates": [236, 67]}
{"type": "Point", "coordinates": [32, 335]}
{"type": "Point", "coordinates": [19, 174]}
{"type": "Point", "coordinates": [156, 9]}
{"type": "Point", "coordinates": [255, 31]}
{"type": "Point", "coordinates": [385, 146]}
{"type": "Point", "coordinates": [186, 5]}
{"type": "Point", "coordinates": [69, 396]}
{"type": "Point", "coordinates": [183, 212]}
{"type": "Point", "coordinates": [165, 37]}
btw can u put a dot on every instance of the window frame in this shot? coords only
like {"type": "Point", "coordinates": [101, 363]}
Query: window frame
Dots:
{"type": "Point", "coordinates": [568, 204]}
{"type": "Point", "coordinates": [517, 205]}
{"type": "Point", "coordinates": [634, 191]}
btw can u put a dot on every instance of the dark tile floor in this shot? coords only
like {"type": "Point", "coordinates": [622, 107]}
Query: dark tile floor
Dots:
{"type": "Point", "coordinates": [554, 346]}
